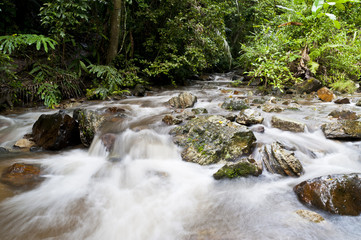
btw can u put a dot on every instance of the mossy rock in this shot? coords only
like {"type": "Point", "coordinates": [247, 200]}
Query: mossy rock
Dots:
{"type": "Point", "coordinates": [240, 169]}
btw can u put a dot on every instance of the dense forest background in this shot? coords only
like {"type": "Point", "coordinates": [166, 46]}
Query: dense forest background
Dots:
{"type": "Point", "coordinates": [58, 49]}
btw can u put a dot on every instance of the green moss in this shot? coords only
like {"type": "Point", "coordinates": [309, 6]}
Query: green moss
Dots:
{"type": "Point", "coordinates": [241, 169]}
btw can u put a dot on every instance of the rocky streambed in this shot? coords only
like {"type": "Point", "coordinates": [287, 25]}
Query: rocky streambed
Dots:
{"type": "Point", "coordinates": [206, 161]}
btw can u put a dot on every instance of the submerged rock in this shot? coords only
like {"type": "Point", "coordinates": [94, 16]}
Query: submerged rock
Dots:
{"type": "Point", "coordinates": [281, 161]}
{"type": "Point", "coordinates": [249, 117]}
{"type": "Point", "coordinates": [108, 141]}
{"type": "Point", "coordinates": [211, 139]}
{"type": "Point", "coordinates": [21, 175]}
{"type": "Point", "coordinates": [310, 216]}
{"type": "Point", "coordinates": [89, 123]}
{"type": "Point", "coordinates": [234, 105]}
{"type": "Point", "coordinates": [55, 131]}
{"type": "Point", "coordinates": [344, 114]}
{"type": "Point", "coordinates": [243, 168]}
{"type": "Point", "coordinates": [337, 194]}
{"type": "Point", "coordinates": [343, 129]}
{"type": "Point", "coordinates": [183, 100]}
{"type": "Point", "coordinates": [287, 124]}
{"type": "Point", "coordinates": [325, 94]}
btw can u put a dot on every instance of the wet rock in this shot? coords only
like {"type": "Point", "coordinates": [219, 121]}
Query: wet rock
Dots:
{"type": "Point", "coordinates": [310, 216]}
{"type": "Point", "coordinates": [139, 90]}
{"type": "Point", "coordinates": [243, 168]}
{"type": "Point", "coordinates": [287, 124]}
{"type": "Point", "coordinates": [231, 117]}
{"type": "Point", "coordinates": [308, 86]}
{"type": "Point", "coordinates": [115, 110]}
{"type": "Point", "coordinates": [258, 129]}
{"type": "Point", "coordinates": [234, 105]}
{"type": "Point", "coordinates": [3, 150]}
{"type": "Point", "coordinates": [281, 161]}
{"type": "Point", "coordinates": [342, 129]}
{"type": "Point", "coordinates": [211, 139]}
{"type": "Point", "coordinates": [21, 175]}
{"type": "Point", "coordinates": [186, 115]}
{"type": "Point", "coordinates": [342, 101]}
{"type": "Point", "coordinates": [55, 131]}
{"type": "Point", "coordinates": [249, 117]}
{"type": "Point", "coordinates": [184, 100]}
{"type": "Point", "coordinates": [325, 94]}
{"type": "Point", "coordinates": [358, 103]}
{"type": "Point", "coordinates": [24, 143]}
{"type": "Point", "coordinates": [199, 111]}
{"type": "Point", "coordinates": [337, 194]}
{"type": "Point", "coordinates": [171, 120]}
{"type": "Point", "coordinates": [268, 107]}
{"type": "Point", "coordinates": [89, 124]}
{"type": "Point", "coordinates": [108, 141]}
{"type": "Point", "coordinates": [343, 114]}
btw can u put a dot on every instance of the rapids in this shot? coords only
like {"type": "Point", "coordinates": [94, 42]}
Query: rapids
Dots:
{"type": "Point", "coordinates": [150, 193]}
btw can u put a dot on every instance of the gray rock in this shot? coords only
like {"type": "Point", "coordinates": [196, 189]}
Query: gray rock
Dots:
{"type": "Point", "coordinates": [268, 107]}
{"type": "Point", "coordinates": [281, 161]}
{"type": "Point", "coordinates": [287, 124]}
{"type": "Point", "coordinates": [234, 105]}
{"type": "Point", "coordinates": [243, 168]}
{"type": "Point", "coordinates": [3, 150]}
{"type": "Point", "coordinates": [211, 139]}
{"type": "Point", "coordinates": [343, 129]}
{"type": "Point", "coordinates": [89, 124]}
{"type": "Point", "coordinates": [249, 117]}
{"type": "Point", "coordinates": [184, 100]}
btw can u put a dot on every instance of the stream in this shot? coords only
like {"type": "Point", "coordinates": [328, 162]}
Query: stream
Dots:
{"type": "Point", "coordinates": [151, 194]}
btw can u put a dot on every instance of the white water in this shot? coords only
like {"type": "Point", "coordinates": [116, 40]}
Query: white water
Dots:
{"type": "Point", "coordinates": [152, 194]}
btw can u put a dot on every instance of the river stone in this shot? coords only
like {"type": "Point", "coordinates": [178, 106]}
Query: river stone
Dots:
{"type": "Point", "coordinates": [211, 139]}
{"type": "Point", "coordinates": [199, 111]}
{"type": "Point", "coordinates": [337, 194]}
{"type": "Point", "coordinates": [243, 168]}
{"type": "Point", "coordinates": [139, 90]}
{"type": "Point", "coordinates": [184, 100]}
{"type": "Point", "coordinates": [278, 160]}
{"type": "Point", "coordinates": [24, 143]}
{"type": "Point", "coordinates": [310, 216]}
{"type": "Point", "coordinates": [55, 131]}
{"type": "Point", "coordinates": [325, 94]}
{"type": "Point", "coordinates": [171, 120]}
{"type": "Point", "coordinates": [308, 86]}
{"type": "Point", "coordinates": [234, 105]}
{"type": "Point", "coordinates": [89, 123]}
{"type": "Point", "coordinates": [342, 101]}
{"type": "Point", "coordinates": [249, 117]}
{"type": "Point", "coordinates": [287, 124]}
{"type": "Point", "coordinates": [108, 141]}
{"type": "Point", "coordinates": [358, 103]}
{"type": "Point", "coordinates": [342, 129]}
{"type": "Point", "coordinates": [268, 107]}
{"type": "Point", "coordinates": [3, 150]}
{"type": "Point", "coordinates": [343, 114]}
{"type": "Point", "coordinates": [21, 175]}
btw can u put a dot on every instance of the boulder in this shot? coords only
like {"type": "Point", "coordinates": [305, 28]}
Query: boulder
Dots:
{"type": "Point", "coordinates": [139, 90]}
{"type": "Point", "coordinates": [308, 86]}
{"type": "Point", "coordinates": [342, 101]}
{"type": "Point", "coordinates": [325, 94]}
{"type": "Point", "coordinates": [278, 160]}
{"type": "Point", "coordinates": [243, 168]}
{"type": "Point", "coordinates": [234, 105]}
{"type": "Point", "coordinates": [211, 139]}
{"type": "Point", "coordinates": [337, 194]}
{"type": "Point", "coordinates": [268, 107]}
{"type": "Point", "coordinates": [287, 124]}
{"type": "Point", "coordinates": [343, 114]}
{"type": "Point", "coordinates": [184, 100]}
{"type": "Point", "coordinates": [55, 131]}
{"type": "Point", "coordinates": [249, 117]}
{"type": "Point", "coordinates": [342, 129]}
{"type": "Point", "coordinates": [310, 216]}
{"type": "Point", "coordinates": [171, 120]}
{"type": "Point", "coordinates": [21, 175]}
{"type": "Point", "coordinates": [89, 124]}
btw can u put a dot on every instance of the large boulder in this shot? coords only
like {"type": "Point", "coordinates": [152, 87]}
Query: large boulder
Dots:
{"type": "Point", "coordinates": [279, 160]}
{"type": "Point", "coordinates": [183, 100]}
{"type": "Point", "coordinates": [338, 194]}
{"type": "Point", "coordinates": [248, 117]}
{"type": "Point", "coordinates": [325, 94]}
{"type": "Point", "coordinates": [342, 129]}
{"type": "Point", "coordinates": [308, 86]}
{"type": "Point", "coordinates": [21, 175]}
{"type": "Point", "coordinates": [234, 105]}
{"type": "Point", "coordinates": [211, 139]}
{"type": "Point", "coordinates": [287, 124]}
{"type": "Point", "coordinates": [55, 131]}
{"type": "Point", "coordinates": [89, 123]}
{"type": "Point", "coordinates": [243, 168]}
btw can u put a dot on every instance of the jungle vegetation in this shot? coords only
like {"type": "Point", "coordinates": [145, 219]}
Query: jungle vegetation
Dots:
{"type": "Point", "coordinates": [57, 49]}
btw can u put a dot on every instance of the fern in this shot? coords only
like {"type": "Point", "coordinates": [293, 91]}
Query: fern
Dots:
{"type": "Point", "coordinates": [11, 42]}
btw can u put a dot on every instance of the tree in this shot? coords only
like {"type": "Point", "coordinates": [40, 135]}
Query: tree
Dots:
{"type": "Point", "coordinates": [114, 31]}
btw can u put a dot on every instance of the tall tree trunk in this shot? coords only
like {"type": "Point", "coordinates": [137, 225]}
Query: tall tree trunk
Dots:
{"type": "Point", "coordinates": [114, 31]}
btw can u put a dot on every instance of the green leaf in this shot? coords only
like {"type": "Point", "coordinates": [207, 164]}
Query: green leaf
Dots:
{"type": "Point", "coordinates": [331, 16]}
{"type": "Point", "coordinates": [317, 5]}
{"type": "Point", "coordinates": [337, 24]}
{"type": "Point", "coordinates": [340, 6]}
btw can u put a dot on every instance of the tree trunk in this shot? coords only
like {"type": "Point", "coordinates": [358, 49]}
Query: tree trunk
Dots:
{"type": "Point", "coordinates": [114, 31]}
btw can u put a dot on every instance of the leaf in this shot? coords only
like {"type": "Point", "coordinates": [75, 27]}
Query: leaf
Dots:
{"type": "Point", "coordinates": [337, 24]}
{"type": "Point", "coordinates": [340, 6]}
{"type": "Point", "coordinates": [331, 16]}
{"type": "Point", "coordinates": [286, 8]}
{"type": "Point", "coordinates": [317, 5]}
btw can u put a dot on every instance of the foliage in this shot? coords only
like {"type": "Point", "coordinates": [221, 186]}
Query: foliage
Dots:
{"type": "Point", "coordinates": [9, 43]}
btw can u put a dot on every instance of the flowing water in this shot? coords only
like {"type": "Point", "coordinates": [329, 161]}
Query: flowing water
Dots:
{"type": "Point", "coordinates": [152, 194]}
